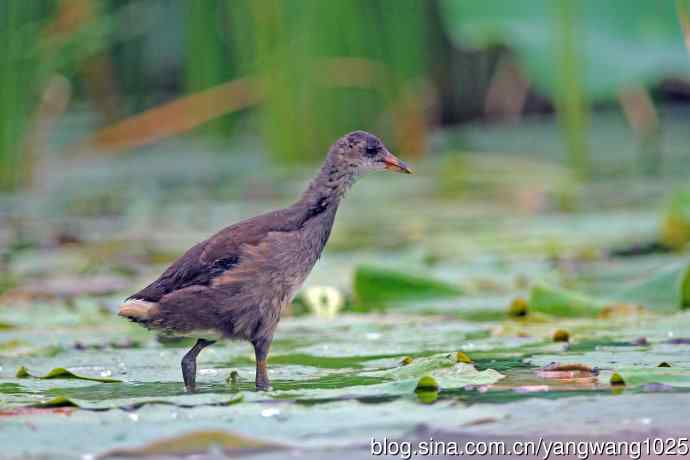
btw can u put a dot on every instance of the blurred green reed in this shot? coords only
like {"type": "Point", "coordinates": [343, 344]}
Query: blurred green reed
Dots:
{"type": "Point", "coordinates": [322, 67]}
{"type": "Point", "coordinates": [18, 67]}
{"type": "Point", "coordinates": [292, 49]}
{"type": "Point", "coordinates": [206, 62]}
{"type": "Point", "coordinates": [313, 92]}
{"type": "Point", "coordinates": [571, 101]}
{"type": "Point", "coordinates": [37, 44]}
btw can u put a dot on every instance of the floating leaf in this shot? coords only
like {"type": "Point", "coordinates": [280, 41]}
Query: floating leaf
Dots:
{"type": "Point", "coordinates": [637, 376]}
{"type": "Point", "coordinates": [562, 302]}
{"type": "Point", "coordinates": [194, 442]}
{"type": "Point", "coordinates": [58, 401]}
{"type": "Point", "coordinates": [445, 369]}
{"type": "Point", "coordinates": [666, 290]}
{"type": "Point", "coordinates": [62, 373]}
{"type": "Point", "coordinates": [6, 326]}
{"type": "Point", "coordinates": [374, 286]}
{"type": "Point", "coordinates": [620, 355]}
{"type": "Point", "coordinates": [675, 226]}
{"type": "Point", "coordinates": [186, 401]}
{"type": "Point", "coordinates": [462, 357]}
{"type": "Point", "coordinates": [418, 367]}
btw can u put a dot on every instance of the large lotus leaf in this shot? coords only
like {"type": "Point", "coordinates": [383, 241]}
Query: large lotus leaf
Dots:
{"type": "Point", "coordinates": [326, 373]}
{"type": "Point", "coordinates": [374, 286]}
{"type": "Point", "coordinates": [562, 302]}
{"type": "Point", "coordinates": [637, 376]}
{"type": "Point", "coordinates": [335, 423]}
{"type": "Point", "coordinates": [675, 226]}
{"type": "Point", "coordinates": [619, 42]}
{"type": "Point", "coordinates": [193, 442]}
{"type": "Point", "coordinates": [62, 373]}
{"type": "Point", "coordinates": [667, 289]}
{"type": "Point", "coordinates": [371, 335]}
{"type": "Point", "coordinates": [614, 357]}
{"type": "Point", "coordinates": [588, 415]}
{"type": "Point", "coordinates": [42, 393]}
{"type": "Point", "coordinates": [182, 401]}
{"type": "Point", "coordinates": [445, 369]}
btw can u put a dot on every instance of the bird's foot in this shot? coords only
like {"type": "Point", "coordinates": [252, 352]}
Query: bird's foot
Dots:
{"type": "Point", "coordinates": [190, 388]}
{"type": "Point", "coordinates": [263, 385]}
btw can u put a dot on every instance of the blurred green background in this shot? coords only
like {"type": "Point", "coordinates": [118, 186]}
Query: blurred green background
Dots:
{"type": "Point", "coordinates": [295, 75]}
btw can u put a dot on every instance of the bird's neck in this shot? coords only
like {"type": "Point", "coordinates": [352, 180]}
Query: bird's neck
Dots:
{"type": "Point", "coordinates": [327, 189]}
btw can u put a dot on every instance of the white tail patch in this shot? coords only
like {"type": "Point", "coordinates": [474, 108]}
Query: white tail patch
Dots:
{"type": "Point", "coordinates": [137, 309]}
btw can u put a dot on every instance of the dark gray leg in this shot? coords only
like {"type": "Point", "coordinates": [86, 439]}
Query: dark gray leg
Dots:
{"type": "Point", "coordinates": [261, 347]}
{"type": "Point", "coordinates": [189, 363]}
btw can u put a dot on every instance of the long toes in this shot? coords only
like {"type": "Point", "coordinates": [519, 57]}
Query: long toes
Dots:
{"type": "Point", "coordinates": [190, 388]}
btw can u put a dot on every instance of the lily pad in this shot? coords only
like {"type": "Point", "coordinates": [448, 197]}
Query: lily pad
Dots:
{"type": "Point", "coordinates": [376, 286]}
{"type": "Point", "coordinates": [58, 401]}
{"type": "Point", "coordinates": [444, 369]}
{"type": "Point", "coordinates": [637, 376]}
{"type": "Point", "coordinates": [675, 225]}
{"type": "Point", "coordinates": [667, 290]}
{"type": "Point", "coordinates": [555, 301]}
{"type": "Point", "coordinates": [194, 442]}
{"type": "Point", "coordinates": [62, 373]}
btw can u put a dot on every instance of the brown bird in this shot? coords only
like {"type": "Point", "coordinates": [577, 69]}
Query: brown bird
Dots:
{"type": "Point", "coordinates": [234, 284]}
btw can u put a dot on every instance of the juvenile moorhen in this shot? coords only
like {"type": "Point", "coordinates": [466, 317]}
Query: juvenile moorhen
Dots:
{"type": "Point", "coordinates": [234, 284]}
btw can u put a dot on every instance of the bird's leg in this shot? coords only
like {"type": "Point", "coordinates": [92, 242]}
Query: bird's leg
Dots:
{"type": "Point", "coordinates": [261, 347]}
{"type": "Point", "coordinates": [189, 363]}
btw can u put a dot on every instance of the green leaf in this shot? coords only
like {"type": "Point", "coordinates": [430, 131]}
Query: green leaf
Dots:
{"type": "Point", "coordinates": [6, 326]}
{"type": "Point", "coordinates": [636, 376]}
{"type": "Point", "coordinates": [562, 302]}
{"type": "Point", "coordinates": [62, 373]}
{"type": "Point", "coordinates": [623, 357]}
{"type": "Point", "coordinates": [194, 442]}
{"type": "Point", "coordinates": [376, 286]}
{"type": "Point", "coordinates": [58, 401]}
{"type": "Point", "coordinates": [621, 42]}
{"type": "Point", "coordinates": [669, 289]}
{"type": "Point", "coordinates": [185, 401]}
{"type": "Point", "coordinates": [675, 226]}
{"type": "Point", "coordinates": [444, 370]}
{"type": "Point", "coordinates": [666, 290]}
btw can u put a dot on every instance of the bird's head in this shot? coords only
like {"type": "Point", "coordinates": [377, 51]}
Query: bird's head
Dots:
{"type": "Point", "coordinates": [365, 152]}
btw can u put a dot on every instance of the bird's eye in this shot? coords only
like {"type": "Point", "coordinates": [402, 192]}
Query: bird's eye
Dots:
{"type": "Point", "coordinates": [372, 150]}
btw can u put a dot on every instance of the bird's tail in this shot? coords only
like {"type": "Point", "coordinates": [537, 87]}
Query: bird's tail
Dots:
{"type": "Point", "coordinates": [138, 310]}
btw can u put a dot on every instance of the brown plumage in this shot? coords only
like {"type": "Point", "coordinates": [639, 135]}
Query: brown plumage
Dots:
{"type": "Point", "coordinates": [234, 284]}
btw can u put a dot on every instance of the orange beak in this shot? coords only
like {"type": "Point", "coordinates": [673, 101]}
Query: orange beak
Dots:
{"type": "Point", "coordinates": [393, 163]}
